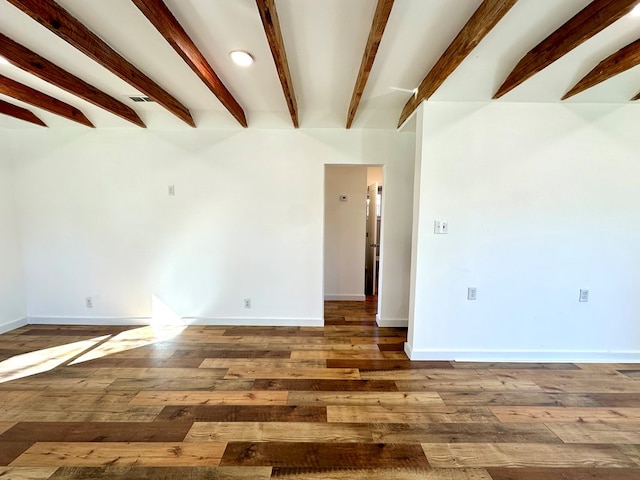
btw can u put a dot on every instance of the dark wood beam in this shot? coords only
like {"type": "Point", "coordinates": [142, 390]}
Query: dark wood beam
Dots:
{"type": "Point", "coordinates": [26, 94]}
{"type": "Point", "coordinates": [51, 15]}
{"type": "Point", "coordinates": [34, 64]}
{"type": "Point", "coordinates": [161, 17]}
{"type": "Point", "coordinates": [592, 19]}
{"type": "Point", "coordinates": [380, 18]}
{"type": "Point", "coordinates": [271, 24]}
{"type": "Point", "coordinates": [621, 61]}
{"type": "Point", "coordinates": [487, 16]}
{"type": "Point", "coordinates": [20, 113]}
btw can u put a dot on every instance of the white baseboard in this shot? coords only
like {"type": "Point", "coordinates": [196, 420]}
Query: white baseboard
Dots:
{"type": "Point", "coordinates": [256, 322]}
{"type": "Point", "coordinates": [7, 327]}
{"type": "Point", "coordinates": [107, 321]}
{"type": "Point", "coordinates": [352, 298]}
{"type": "Point", "coordinates": [392, 322]}
{"type": "Point", "coordinates": [523, 356]}
{"type": "Point", "coordinates": [141, 321]}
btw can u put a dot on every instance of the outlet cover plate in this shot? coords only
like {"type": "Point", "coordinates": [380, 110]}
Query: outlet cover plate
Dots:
{"type": "Point", "coordinates": [440, 227]}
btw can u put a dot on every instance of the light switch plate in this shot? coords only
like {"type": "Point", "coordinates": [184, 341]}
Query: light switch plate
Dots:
{"type": "Point", "coordinates": [584, 295]}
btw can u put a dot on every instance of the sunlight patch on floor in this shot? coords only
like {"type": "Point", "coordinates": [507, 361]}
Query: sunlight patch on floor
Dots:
{"type": "Point", "coordinates": [165, 325]}
{"type": "Point", "coordinates": [40, 361]}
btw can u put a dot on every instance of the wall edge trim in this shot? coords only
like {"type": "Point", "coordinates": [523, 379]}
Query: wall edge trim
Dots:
{"type": "Point", "coordinates": [12, 325]}
{"type": "Point", "coordinates": [555, 356]}
{"type": "Point", "coordinates": [408, 350]}
{"type": "Point", "coordinates": [345, 297]}
{"type": "Point", "coordinates": [142, 321]}
{"type": "Point", "coordinates": [392, 322]}
{"type": "Point", "coordinates": [257, 321]}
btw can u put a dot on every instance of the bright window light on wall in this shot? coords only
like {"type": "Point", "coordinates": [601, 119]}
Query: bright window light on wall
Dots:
{"type": "Point", "coordinates": [636, 11]}
{"type": "Point", "coordinates": [244, 59]}
{"type": "Point", "coordinates": [3, 61]}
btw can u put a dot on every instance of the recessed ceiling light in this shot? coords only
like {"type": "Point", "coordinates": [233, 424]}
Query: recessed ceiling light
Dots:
{"type": "Point", "coordinates": [636, 11]}
{"type": "Point", "coordinates": [241, 58]}
{"type": "Point", "coordinates": [4, 61]}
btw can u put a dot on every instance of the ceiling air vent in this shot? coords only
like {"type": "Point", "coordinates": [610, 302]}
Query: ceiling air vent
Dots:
{"type": "Point", "coordinates": [141, 98]}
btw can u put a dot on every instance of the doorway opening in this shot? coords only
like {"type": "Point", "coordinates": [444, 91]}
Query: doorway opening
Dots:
{"type": "Point", "coordinates": [352, 227]}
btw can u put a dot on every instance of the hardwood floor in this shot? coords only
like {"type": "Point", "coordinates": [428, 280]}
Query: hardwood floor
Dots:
{"type": "Point", "coordinates": [338, 402]}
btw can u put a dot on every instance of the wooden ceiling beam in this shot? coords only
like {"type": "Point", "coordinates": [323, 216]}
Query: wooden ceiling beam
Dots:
{"type": "Point", "coordinates": [592, 19]}
{"type": "Point", "coordinates": [26, 94]}
{"type": "Point", "coordinates": [20, 113]}
{"type": "Point", "coordinates": [51, 15]}
{"type": "Point", "coordinates": [483, 20]}
{"type": "Point", "coordinates": [34, 64]}
{"type": "Point", "coordinates": [380, 19]}
{"type": "Point", "coordinates": [621, 61]}
{"type": "Point", "coordinates": [161, 17]}
{"type": "Point", "coordinates": [271, 24]}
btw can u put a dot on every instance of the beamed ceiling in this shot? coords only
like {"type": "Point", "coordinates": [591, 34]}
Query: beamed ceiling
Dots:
{"type": "Point", "coordinates": [318, 63]}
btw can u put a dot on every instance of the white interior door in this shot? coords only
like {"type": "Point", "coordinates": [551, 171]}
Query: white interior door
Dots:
{"type": "Point", "coordinates": [371, 256]}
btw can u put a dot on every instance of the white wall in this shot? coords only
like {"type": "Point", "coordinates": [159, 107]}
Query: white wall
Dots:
{"type": "Point", "coordinates": [246, 220]}
{"type": "Point", "coordinates": [13, 308]}
{"type": "Point", "coordinates": [542, 200]}
{"type": "Point", "coordinates": [395, 239]}
{"type": "Point", "coordinates": [344, 232]}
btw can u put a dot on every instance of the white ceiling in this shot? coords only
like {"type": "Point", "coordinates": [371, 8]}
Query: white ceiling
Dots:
{"type": "Point", "coordinates": [324, 40]}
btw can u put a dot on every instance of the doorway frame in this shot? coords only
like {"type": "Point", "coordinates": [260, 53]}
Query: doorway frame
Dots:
{"type": "Point", "coordinates": [382, 224]}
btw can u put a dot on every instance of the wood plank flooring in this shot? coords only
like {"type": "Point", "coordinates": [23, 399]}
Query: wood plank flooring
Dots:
{"type": "Point", "coordinates": [331, 403]}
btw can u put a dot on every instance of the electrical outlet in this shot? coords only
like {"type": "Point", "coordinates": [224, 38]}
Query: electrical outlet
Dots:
{"type": "Point", "coordinates": [440, 227]}
{"type": "Point", "coordinates": [472, 293]}
{"type": "Point", "coordinates": [584, 295]}
{"type": "Point", "coordinates": [171, 190]}
{"type": "Point", "coordinates": [247, 303]}
{"type": "Point", "coordinates": [88, 302]}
